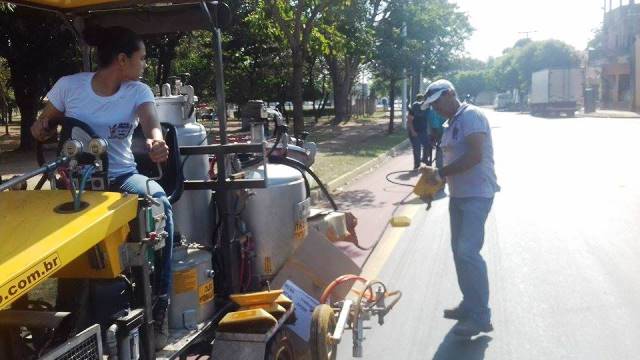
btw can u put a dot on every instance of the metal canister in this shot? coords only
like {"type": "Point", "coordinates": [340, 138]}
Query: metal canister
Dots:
{"type": "Point", "coordinates": [192, 291]}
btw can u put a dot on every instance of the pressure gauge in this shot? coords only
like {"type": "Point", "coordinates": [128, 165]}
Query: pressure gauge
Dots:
{"type": "Point", "coordinates": [98, 146]}
{"type": "Point", "coordinates": [72, 148]}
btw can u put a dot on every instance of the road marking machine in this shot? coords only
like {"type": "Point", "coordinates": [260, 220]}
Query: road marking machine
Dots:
{"type": "Point", "coordinates": [255, 272]}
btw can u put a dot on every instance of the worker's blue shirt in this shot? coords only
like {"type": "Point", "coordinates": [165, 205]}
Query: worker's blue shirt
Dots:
{"type": "Point", "coordinates": [434, 119]}
{"type": "Point", "coordinates": [480, 180]}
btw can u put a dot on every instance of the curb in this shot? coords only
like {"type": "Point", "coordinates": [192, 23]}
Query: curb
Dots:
{"type": "Point", "coordinates": [608, 116]}
{"type": "Point", "coordinates": [335, 184]}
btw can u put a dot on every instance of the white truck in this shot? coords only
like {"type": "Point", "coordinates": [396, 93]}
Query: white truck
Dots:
{"type": "Point", "coordinates": [555, 91]}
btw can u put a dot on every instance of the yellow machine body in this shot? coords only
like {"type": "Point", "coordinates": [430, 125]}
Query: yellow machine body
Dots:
{"type": "Point", "coordinates": [70, 5]}
{"type": "Point", "coordinates": [108, 251]}
{"type": "Point", "coordinates": [36, 241]}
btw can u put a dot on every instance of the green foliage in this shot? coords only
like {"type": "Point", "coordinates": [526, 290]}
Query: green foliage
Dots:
{"type": "Point", "coordinates": [435, 35]}
{"type": "Point", "coordinates": [513, 69]}
{"type": "Point", "coordinates": [470, 82]}
{"type": "Point", "coordinates": [194, 55]}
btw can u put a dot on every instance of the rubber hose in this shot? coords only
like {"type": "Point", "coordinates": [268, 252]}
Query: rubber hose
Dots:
{"type": "Point", "coordinates": [295, 163]}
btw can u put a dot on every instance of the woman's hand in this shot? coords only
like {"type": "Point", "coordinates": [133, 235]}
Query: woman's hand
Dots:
{"type": "Point", "coordinates": [42, 130]}
{"type": "Point", "coordinates": [47, 123]}
{"type": "Point", "coordinates": [158, 150]}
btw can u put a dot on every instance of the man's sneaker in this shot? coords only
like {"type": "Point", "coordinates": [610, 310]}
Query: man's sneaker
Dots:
{"type": "Point", "coordinates": [469, 328]}
{"type": "Point", "coordinates": [161, 321]}
{"type": "Point", "coordinates": [457, 313]}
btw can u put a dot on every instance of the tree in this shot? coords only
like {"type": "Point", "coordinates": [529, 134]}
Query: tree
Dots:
{"type": "Point", "coordinates": [39, 50]}
{"type": "Point", "coordinates": [435, 34]}
{"type": "Point", "coordinates": [258, 59]}
{"type": "Point", "coordinates": [296, 19]}
{"type": "Point", "coordinates": [514, 68]}
{"type": "Point", "coordinates": [470, 82]}
{"type": "Point", "coordinates": [5, 116]}
{"type": "Point", "coordinates": [390, 60]}
{"type": "Point", "coordinates": [351, 29]}
{"type": "Point", "coordinates": [163, 49]}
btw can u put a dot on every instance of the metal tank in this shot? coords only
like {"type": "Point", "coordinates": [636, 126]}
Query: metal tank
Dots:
{"type": "Point", "coordinates": [276, 217]}
{"type": "Point", "coordinates": [192, 291]}
{"type": "Point", "coordinates": [191, 214]}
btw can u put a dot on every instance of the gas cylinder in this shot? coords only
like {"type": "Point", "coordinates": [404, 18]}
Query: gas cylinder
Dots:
{"type": "Point", "coordinates": [192, 291]}
{"type": "Point", "coordinates": [192, 214]}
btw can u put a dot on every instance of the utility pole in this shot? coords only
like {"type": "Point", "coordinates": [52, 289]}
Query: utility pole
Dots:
{"type": "Point", "coordinates": [404, 83]}
{"type": "Point", "coordinates": [526, 33]}
{"type": "Point", "coordinates": [364, 107]}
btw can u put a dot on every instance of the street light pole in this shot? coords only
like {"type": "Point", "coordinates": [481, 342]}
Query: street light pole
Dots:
{"type": "Point", "coordinates": [404, 84]}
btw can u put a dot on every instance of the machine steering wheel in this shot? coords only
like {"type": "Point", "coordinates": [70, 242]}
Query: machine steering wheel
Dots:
{"type": "Point", "coordinates": [68, 124]}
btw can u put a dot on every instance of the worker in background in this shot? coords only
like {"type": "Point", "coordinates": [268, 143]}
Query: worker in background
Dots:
{"type": "Point", "coordinates": [112, 101]}
{"type": "Point", "coordinates": [436, 124]}
{"type": "Point", "coordinates": [469, 172]}
{"type": "Point", "coordinates": [418, 128]}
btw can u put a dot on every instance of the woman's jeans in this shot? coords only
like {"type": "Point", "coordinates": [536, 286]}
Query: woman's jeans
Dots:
{"type": "Point", "coordinates": [468, 216]}
{"type": "Point", "coordinates": [137, 184]}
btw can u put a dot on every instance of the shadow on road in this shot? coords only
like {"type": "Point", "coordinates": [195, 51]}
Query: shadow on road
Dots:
{"type": "Point", "coordinates": [356, 199]}
{"type": "Point", "coordinates": [457, 348]}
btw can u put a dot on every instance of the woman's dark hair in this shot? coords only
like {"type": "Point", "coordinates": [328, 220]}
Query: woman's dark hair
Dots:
{"type": "Point", "coordinates": [111, 42]}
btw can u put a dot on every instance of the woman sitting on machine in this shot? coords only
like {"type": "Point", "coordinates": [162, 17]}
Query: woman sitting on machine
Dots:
{"type": "Point", "coordinates": [112, 101]}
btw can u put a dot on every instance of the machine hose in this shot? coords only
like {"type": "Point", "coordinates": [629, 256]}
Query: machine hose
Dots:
{"type": "Point", "coordinates": [298, 165]}
{"type": "Point", "coordinates": [399, 172]}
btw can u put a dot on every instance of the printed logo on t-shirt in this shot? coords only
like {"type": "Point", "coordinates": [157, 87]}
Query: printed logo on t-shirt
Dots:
{"type": "Point", "coordinates": [120, 131]}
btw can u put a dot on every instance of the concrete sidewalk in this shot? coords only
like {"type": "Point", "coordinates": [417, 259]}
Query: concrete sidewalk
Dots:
{"type": "Point", "coordinates": [614, 114]}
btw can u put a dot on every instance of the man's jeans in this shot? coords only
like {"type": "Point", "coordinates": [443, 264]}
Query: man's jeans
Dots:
{"type": "Point", "coordinates": [137, 184]}
{"type": "Point", "coordinates": [468, 216]}
{"type": "Point", "coordinates": [421, 148]}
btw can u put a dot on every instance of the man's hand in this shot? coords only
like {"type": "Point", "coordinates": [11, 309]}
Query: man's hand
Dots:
{"type": "Point", "coordinates": [158, 150]}
{"type": "Point", "coordinates": [413, 133]}
{"type": "Point", "coordinates": [432, 175]}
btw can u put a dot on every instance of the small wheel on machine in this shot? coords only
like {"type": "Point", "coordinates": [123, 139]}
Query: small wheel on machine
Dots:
{"type": "Point", "coordinates": [323, 323]}
{"type": "Point", "coordinates": [280, 346]}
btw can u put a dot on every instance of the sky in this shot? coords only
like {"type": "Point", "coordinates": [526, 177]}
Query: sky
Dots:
{"type": "Point", "coordinates": [498, 23]}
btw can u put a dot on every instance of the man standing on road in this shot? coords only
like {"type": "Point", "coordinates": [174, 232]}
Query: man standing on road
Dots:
{"type": "Point", "coordinates": [469, 171]}
{"type": "Point", "coordinates": [419, 133]}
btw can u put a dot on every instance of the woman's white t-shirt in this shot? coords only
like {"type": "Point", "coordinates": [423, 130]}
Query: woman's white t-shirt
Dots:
{"type": "Point", "coordinates": [111, 117]}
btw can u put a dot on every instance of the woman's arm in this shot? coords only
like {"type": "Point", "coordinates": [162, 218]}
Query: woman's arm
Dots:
{"type": "Point", "coordinates": [45, 126]}
{"type": "Point", "coordinates": [159, 151]}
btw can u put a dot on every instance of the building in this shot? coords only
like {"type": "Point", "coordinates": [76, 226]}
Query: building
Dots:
{"type": "Point", "coordinates": [617, 59]}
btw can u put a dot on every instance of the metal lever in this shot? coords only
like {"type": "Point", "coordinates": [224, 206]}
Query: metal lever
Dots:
{"type": "Point", "coordinates": [148, 196]}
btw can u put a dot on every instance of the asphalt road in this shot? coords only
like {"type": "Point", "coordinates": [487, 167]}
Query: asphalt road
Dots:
{"type": "Point", "coordinates": [562, 247]}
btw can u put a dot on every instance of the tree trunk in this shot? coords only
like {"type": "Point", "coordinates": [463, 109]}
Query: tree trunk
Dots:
{"type": "Point", "coordinates": [298, 86]}
{"type": "Point", "coordinates": [340, 102]}
{"type": "Point", "coordinates": [392, 101]}
{"type": "Point", "coordinates": [28, 106]}
{"type": "Point", "coordinates": [27, 97]}
{"type": "Point", "coordinates": [416, 79]}
{"type": "Point", "coordinates": [342, 77]}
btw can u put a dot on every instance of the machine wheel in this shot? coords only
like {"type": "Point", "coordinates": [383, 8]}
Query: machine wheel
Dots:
{"type": "Point", "coordinates": [280, 347]}
{"type": "Point", "coordinates": [323, 323]}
